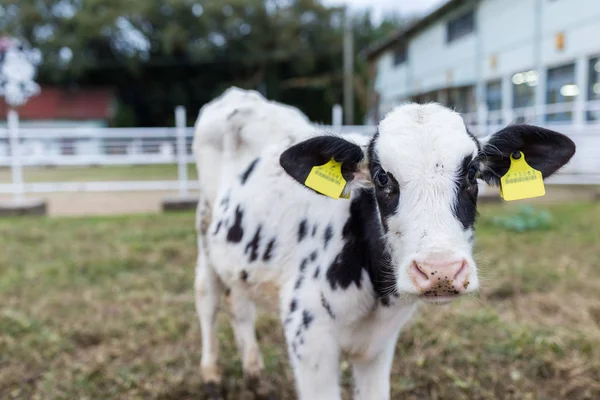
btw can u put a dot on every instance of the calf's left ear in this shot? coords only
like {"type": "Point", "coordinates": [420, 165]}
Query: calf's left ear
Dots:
{"type": "Point", "coordinates": [299, 159]}
{"type": "Point", "coordinates": [545, 150]}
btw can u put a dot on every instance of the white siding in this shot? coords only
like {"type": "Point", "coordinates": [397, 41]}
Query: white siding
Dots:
{"type": "Point", "coordinates": [391, 80]}
{"type": "Point", "coordinates": [508, 30]}
{"type": "Point", "coordinates": [437, 64]}
{"type": "Point", "coordinates": [580, 22]}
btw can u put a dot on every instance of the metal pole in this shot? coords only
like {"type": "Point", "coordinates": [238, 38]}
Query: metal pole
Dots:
{"type": "Point", "coordinates": [16, 165]}
{"type": "Point", "coordinates": [182, 173]}
{"type": "Point", "coordinates": [348, 69]}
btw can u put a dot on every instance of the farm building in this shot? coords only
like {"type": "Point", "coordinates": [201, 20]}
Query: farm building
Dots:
{"type": "Point", "coordinates": [534, 60]}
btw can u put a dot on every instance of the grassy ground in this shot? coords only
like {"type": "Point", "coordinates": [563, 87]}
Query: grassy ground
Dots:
{"type": "Point", "coordinates": [102, 308]}
{"type": "Point", "coordinates": [99, 173]}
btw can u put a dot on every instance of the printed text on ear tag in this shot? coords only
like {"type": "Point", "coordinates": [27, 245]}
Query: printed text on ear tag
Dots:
{"type": "Point", "coordinates": [327, 179]}
{"type": "Point", "coordinates": [521, 181]}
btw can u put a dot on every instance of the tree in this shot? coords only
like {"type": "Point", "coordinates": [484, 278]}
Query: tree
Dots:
{"type": "Point", "coordinates": [160, 53]}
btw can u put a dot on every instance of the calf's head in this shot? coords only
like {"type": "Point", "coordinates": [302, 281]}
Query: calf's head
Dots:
{"type": "Point", "coordinates": [422, 168]}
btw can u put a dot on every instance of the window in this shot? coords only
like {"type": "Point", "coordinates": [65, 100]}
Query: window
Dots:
{"type": "Point", "coordinates": [493, 98]}
{"type": "Point", "coordinates": [494, 95]}
{"type": "Point", "coordinates": [400, 55]}
{"type": "Point", "coordinates": [428, 97]}
{"type": "Point", "coordinates": [560, 89]}
{"type": "Point", "coordinates": [460, 26]}
{"type": "Point", "coordinates": [524, 84]}
{"type": "Point", "coordinates": [462, 99]}
{"type": "Point", "coordinates": [594, 87]}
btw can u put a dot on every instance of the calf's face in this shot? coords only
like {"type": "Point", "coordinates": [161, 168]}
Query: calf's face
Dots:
{"type": "Point", "coordinates": [422, 167]}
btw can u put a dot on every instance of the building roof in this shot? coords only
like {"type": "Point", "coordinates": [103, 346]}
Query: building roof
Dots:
{"type": "Point", "coordinates": [59, 103]}
{"type": "Point", "coordinates": [375, 49]}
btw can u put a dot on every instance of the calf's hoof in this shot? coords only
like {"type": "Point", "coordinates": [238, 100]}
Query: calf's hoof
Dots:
{"type": "Point", "coordinates": [212, 391]}
{"type": "Point", "coordinates": [211, 378]}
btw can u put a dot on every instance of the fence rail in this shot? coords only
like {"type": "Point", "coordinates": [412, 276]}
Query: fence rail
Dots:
{"type": "Point", "coordinates": [87, 146]}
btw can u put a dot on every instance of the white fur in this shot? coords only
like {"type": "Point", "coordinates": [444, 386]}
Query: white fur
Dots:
{"type": "Point", "coordinates": [413, 140]}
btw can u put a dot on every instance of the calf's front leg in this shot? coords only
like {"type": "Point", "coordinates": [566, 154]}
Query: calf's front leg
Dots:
{"type": "Point", "coordinates": [372, 376]}
{"type": "Point", "coordinates": [314, 356]}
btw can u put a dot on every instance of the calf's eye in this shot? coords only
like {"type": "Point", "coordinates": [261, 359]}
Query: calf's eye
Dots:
{"type": "Point", "coordinates": [472, 174]}
{"type": "Point", "coordinates": [382, 179]}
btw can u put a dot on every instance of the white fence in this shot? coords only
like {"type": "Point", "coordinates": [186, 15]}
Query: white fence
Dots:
{"type": "Point", "coordinates": [142, 146]}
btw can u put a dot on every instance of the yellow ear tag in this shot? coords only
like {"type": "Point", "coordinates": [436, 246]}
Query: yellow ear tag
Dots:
{"type": "Point", "coordinates": [521, 181]}
{"type": "Point", "coordinates": [327, 179]}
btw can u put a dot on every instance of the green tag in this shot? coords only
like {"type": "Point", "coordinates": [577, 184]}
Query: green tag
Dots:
{"type": "Point", "coordinates": [327, 179]}
{"type": "Point", "coordinates": [521, 181]}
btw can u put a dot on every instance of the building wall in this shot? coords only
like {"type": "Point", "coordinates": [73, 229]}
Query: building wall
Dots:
{"type": "Point", "coordinates": [437, 64]}
{"type": "Point", "coordinates": [510, 36]}
{"type": "Point", "coordinates": [507, 32]}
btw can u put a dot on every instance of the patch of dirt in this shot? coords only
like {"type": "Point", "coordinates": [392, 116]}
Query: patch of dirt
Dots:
{"type": "Point", "coordinates": [102, 203]}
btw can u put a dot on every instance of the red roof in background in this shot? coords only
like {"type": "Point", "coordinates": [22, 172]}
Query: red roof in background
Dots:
{"type": "Point", "coordinates": [74, 104]}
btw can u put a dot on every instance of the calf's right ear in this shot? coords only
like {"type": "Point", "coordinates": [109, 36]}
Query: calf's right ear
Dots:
{"type": "Point", "coordinates": [299, 160]}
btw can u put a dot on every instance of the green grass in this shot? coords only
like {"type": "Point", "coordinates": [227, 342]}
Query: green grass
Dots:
{"type": "Point", "coordinates": [99, 173]}
{"type": "Point", "coordinates": [102, 308]}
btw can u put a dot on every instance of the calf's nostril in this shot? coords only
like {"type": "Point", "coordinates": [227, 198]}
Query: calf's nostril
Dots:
{"type": "Point", "coordinates": [418, 272]}
{"type": "Point", "coordinates": [462, 271]}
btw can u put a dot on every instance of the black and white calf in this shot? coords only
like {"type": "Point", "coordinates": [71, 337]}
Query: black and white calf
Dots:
{"type": "Point", "coordinates": [351, 272]}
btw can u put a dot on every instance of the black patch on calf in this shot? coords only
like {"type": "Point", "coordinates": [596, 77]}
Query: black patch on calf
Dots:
{"type": "Point", "coordinates": [327, 306]}
{"type": "Point", "coordinates": [268, 251]}
{"type": "Point", "coordinates": [388, 199]}
{"type": "Point", "coordinates": [244, 275]}
{"type": "Point", "coordinates": [225, 202]}
{"type": "Point", "coordinates": [317, 271]}
{"type": "Point", "coordinates": [307, 319]}
{"type": "Point", "coordinates": [387, 196]}
{"type": "Point", "coordinates": [465, 203]}
{"type": "Point", "coordinates": [363, 249]}
{"type": "Point", "coordinates": [248, 171]}
{"type": "Point", "coordinates": [252, 246]}
{"type": "Point", "coordinates": [303, 265]}
{"type": "Point", "coordinates": [302, 230]}
{"type": "Point", "coordinates": [299, 282]}
{"type": "Point", "coordinates": [217, 228]}
{"type": "Point", "coordinates": [236, 232]}
{"type": "Point", "coordinates": [327, 235]}
{"type": "Point", "coordinates": [313, 255]}
{"type": "Point", "coordinates": [340, 274]}
{"type": "Point", "coordinates": [293, 305]}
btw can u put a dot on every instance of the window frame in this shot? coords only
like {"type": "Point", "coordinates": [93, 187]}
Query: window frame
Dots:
{"type": "Point", "coordinates": [400, 55]}
{"type": "Point", "coordinates": [493, 83]}
{"type": "Point", "coordinates": [461, 26]}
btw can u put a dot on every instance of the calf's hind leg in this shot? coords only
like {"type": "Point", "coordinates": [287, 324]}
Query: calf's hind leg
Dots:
{"type": "Point", "coordinates": [244, 327]}
{"type": "Point", "coordinates": [208, 289]}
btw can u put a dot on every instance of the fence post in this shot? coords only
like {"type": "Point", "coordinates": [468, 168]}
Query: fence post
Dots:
{"type": "Point", "coordinates": [482, 118]}
{"type": "Point", "coordinates": [16, 164]}
{"type": "Point", "coordinates": [336, 116]}
{"type": "Point", "coordinates": [182, 171]}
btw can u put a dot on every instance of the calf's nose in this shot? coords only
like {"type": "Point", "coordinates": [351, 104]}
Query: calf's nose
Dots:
{"type": "Point", "coordinates": [440, 278]}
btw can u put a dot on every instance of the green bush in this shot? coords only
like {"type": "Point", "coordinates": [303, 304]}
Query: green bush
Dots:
{"type": "Point", "coordinates": [527, 218]}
